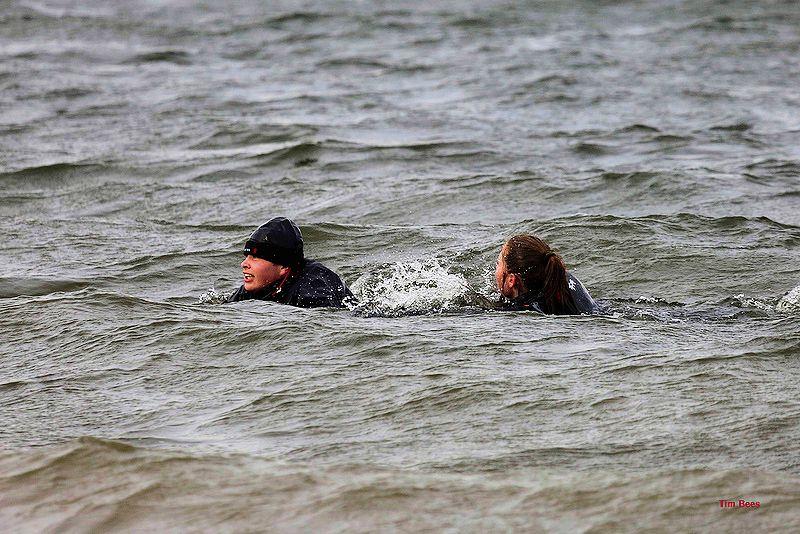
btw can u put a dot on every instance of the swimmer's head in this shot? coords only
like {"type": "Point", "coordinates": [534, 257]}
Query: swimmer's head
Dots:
{"type": "Point", "coordinates": [271, 252]}
{"type": "Point", "coordinates": [526, 263]}
{"type": "Point", "coordinates": [278, 240]}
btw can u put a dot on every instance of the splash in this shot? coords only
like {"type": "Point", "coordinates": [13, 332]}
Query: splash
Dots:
{"type": "Point", "coordinates": [212, 296]}
{"type": "Point", "coordinates": [652, 300]}
{"type": "Point", "coordinates": [790, 302]}
{"type": "Point", "coordinates": [743, 301]}
{"type": "Point", "coordinates": [410, 288]}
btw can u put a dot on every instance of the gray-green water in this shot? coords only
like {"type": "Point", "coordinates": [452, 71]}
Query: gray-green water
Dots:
{"type": "Point", "coordinates": [656, 144]}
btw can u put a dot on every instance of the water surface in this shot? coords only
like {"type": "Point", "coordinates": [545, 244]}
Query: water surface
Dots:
{"type": "Point", "coordinates": [655, 144]}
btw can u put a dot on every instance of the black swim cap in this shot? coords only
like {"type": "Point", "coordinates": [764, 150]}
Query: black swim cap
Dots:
{"type": "Point", "coordinates": [278, 240]}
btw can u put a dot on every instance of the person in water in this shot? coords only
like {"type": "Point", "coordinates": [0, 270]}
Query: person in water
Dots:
{"type": "Point", "coordinates": [532, 276]}
{"type": "Point", "coordinates": [275, 269]}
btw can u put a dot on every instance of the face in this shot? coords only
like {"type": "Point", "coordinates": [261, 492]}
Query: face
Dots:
{"type": "Point", "coordinates": [258, 273]}
{"type": "Point", "coordinates": [506, 282]}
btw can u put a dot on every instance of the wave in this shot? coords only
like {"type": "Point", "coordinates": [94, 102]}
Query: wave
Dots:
{"type": "Point", "coordinates": [231, 137]}
{"type": "Point", "coordinates": [775, 172]}
{"type": "Point", "coordinates": [68, 93]}
{"type": "Point", "coordinates": [18, 286]}
{"type": "Point", "coordinates": [27, 14]}
{"type": "Point", "coordinates": [332, 152]}
{"type": "Point", "coordinates": [354, 62]}
{"type": "Point", "coordinates": [739, 306]}
{"type": "Point", "coordinates": [638, 128]}
{"type": "Point", "coordinates": [60, 170]}
{"type": "Point", "coordinates": [594, 149]}
{"type": "Point", "coordinates": [746, 232]}
{"type": "Point", "coordinates": [663, 311]}
{"type": "Point", "coordinates": [733, 127]}
{"type": "Point", "coordinates": [293, 20]}
{"type": "Point", "coordinates": [176, 57]}
{"type": "Point", "coordinates": [299, 155]}
{"type": "Point", "coordinates": [95, 484]}
{"type": "Point", "coordinates": [302, 17]}
{"type": "Point", "coordinates": [743, 22]}
{"type": "Point", "coordinates": [372, 64]}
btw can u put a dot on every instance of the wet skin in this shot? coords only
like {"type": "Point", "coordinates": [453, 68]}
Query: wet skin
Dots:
{"type": "Point", "coordinates": [258, 273]}
{"type": "Point", "coordinates": [508, 284]}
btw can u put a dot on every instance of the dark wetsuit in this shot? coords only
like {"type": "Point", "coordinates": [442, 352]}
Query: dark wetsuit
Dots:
{"type": "Point", "coordinates": [534, 300]}
{"type": "Point", "coordinates": [314, 286]}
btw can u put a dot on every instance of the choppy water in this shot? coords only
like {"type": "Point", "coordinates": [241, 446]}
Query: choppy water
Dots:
{"type": "Point", "coordinates": [656, 144]}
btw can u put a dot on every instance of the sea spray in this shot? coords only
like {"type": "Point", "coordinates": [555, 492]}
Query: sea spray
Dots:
{"type": "Point", "coordinates": [414, 287]}
{"type": "Point", "coordinates": [212, 296]}
{"type": "Point", "coordinates": [743, 301]}
{"type": "Point", "coordinates": [790, 302]}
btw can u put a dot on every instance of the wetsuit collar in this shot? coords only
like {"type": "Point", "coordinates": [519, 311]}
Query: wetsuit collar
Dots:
{"type": "Point", "coordinates": [530, 300]}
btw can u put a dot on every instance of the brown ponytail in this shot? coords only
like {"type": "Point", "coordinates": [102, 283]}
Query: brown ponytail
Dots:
{"type": "Point", "coordinates": [542, 270]}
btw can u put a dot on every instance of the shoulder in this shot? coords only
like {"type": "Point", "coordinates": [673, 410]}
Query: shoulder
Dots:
{"type": "Point", "coordinates": [317, 285]}
{"type": "Point", "coordinates": [315, 269]}
{"type": "Point", "coordinates": [583, 300]}
{"type": "Point", "coordinates": [315, 274]}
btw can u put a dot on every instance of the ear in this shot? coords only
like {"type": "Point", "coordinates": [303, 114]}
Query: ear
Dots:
{"type": "Point", "coordinates": [284, 270]}
{"type": "Point", "coordinates": [512, 283]}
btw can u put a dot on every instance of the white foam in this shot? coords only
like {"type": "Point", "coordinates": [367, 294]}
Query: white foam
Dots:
{"type": "Point", "coordinates": [753, 302]}
{"type": "Point", "coordinates": [410, 288]}
{"type": "Point", "coordinates": [790, 302]}
{"type": "Point", "coordinates": [539, 44]}
{"type": "Point", "coordinates": [212, 296]}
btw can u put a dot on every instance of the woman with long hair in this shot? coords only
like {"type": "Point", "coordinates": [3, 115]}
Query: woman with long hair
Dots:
{"type": "Point", "coordinates": [532, 276]}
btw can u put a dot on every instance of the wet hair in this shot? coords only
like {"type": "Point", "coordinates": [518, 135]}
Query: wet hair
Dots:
{"type": "Point", "coordinates": [542, 270]}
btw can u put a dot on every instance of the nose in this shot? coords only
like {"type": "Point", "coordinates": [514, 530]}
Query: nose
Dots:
{"type": "Point", "coordinates": [244, 263]}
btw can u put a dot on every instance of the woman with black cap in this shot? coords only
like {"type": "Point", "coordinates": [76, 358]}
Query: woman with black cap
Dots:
{"type": "Point", "coordinates": [275, 269]}
{"type": "Point", "coordinates": [532, 276]}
